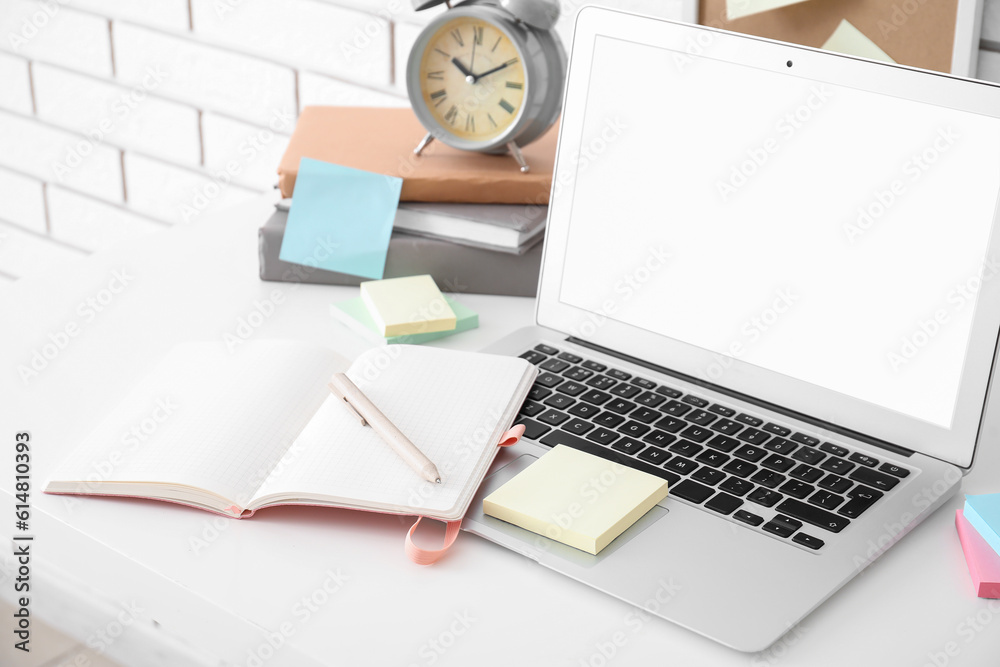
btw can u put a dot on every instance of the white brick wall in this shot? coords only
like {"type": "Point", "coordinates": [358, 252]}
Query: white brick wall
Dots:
{"type": "Point", "coordinates": [184, 89]}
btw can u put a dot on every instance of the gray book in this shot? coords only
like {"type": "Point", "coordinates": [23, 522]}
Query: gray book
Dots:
{"type": "Point", "coordinates": [455, 268]}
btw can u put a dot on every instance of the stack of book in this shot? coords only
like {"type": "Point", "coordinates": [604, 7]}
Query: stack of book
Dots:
{"type": "Point", "coordinates": [473, 222]}
{"type": "Point", "coordinates": [978, 526]}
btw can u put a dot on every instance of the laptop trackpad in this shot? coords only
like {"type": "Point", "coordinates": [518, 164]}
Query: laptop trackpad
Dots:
{"type": "Point", "coordinates": [533, 545]}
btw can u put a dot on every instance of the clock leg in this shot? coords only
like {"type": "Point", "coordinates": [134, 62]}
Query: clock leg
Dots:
{"type": "Point", "coordinates": [423, 143]}
{"type": "Point", "coordinates": [516, 152]}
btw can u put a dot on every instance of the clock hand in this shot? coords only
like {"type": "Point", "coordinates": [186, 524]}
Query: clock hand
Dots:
{"type": "Point", "coordinates": [469, 76]}
{"type": "Point", "coordinates": [477, 77]}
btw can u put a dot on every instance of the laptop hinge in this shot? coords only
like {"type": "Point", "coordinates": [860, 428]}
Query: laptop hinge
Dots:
{"type": "Point", "coordinates": [867, 439]}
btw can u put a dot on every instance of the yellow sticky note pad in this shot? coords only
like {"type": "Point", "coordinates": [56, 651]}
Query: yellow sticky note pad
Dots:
{"type": "Point", "coordinates": [576, 498]}
{"type": "Point", "coordinates": [404, 306]}
{"type": "Point", "coordinates": [848, 39]}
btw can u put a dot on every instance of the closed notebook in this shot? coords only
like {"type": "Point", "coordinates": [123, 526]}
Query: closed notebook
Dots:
{"type": "Point", "coordinates": [259, 428]}
{"type": "Point", "coordinates": [576, 498]}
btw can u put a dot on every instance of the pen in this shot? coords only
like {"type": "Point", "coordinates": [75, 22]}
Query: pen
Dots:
{"type": "Point", "coordinates": [356, 401]}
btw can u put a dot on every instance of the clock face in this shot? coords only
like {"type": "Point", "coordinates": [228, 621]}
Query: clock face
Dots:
{"type": "Point", "coordinates": [472, 79]}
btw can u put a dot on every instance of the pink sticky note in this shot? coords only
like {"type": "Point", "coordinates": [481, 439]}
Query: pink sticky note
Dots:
{"type": "Point", "coordinates": [984, 563]}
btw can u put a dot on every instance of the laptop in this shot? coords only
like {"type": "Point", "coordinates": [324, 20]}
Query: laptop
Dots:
{"type": "Point", "coordinates": [769, 277]}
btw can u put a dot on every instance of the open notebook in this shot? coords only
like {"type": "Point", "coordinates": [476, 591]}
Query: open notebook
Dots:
{"type": "Point", "coordinates": [237, 432]}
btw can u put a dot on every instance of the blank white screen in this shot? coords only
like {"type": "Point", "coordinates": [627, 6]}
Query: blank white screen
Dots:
{"type": "Point", "coordinates": [781, 269]}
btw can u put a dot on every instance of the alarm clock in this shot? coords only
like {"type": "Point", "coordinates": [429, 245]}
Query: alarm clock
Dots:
{"type": "Point", "coordinates": [487, 75]}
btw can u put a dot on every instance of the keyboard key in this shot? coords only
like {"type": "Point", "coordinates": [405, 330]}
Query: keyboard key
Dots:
{"type": "Point", "coordinates": [571, 388]}
{"type": "Point", "coordinates": [692, 491]}
{"type": "Point", "coordinates": [749, 420]}
{"type": "Point", "coordinates": [625, 390]}
{"type": "Point", "coordinates": [748, 517]}
{"type": "Point", "coordinates": [736, 486]}
{"type": "Point", "coordinates": [864, 459]}
{"type": "Point", "coordinates": [806, 473]}
{"type": "Point", "coordinates": [668, 391]}
{"type": "Point", "coordinates": [618, 375]}
{"type": "Point", "coordinates": [533, 357]}
{"type": "Point", "coordinates": [594, 366]}
{"type": "Point", "coordinates": [808, 540]}
{"type": "Point", "coordinates": [659, 438]}
{"type": "Point", "coordinates": [649, 399]}
{"type": "Point", "coordinates": [559, 437]}
{"type": "Point", "coordinates": [835, 483]}
{"type": "Point", "coordinates": [696, 401]}
{"type": "Point", "coordinates": [794, 487]}
{"type": "Point", "coordinates": [765, 497]}
{"type": "Point", "coordinates": [546, 349]}
{"type": "Point", "coordinates": [608, 419]}
{"type": "Point", "coordinates": [559, 401]}
{"type": "Point", "coordinates": [596, 397]}
{"type": "Point", "coordinates": [602, 436]}
{"type": "Point", "coordinates": [723, 443]}
{"type": "Point", "coordinates": [807, 455]}
{"type": "Point", "coordinates": [727, 426]}
{"type": "Point", "coordinates": [860, 499]}
{"type": "Point", "coordinates": [713, 458]}
{"type": "Point", "coordinates": [530, 409]}
{"type": "Point", "coordinates": [701, 417]}
{"type": "Point", "coordinates": [629, 446]}
{"type": "Point", "coordinates": [894, 470]}
{"type": "Point", "coordinates": [723, 503]}
{"type": "Point", "coordinates": [671, 424]}
{"type": "Point", "coordinates": [804, 439]}
{"type": "Point", "coordinates": [554, 365]}
{"type": "Point", "coordinates": [547, 380]}
{"type": "Point", "coordinates": [836, 450]}
{"type": "Point", "coordinates": [740, 468]}
{"type": "Point", "coordinates": [874, 478]}
{"type": "Point", "coordinates": [826, 500]}
{"type": "Point", "coordinates": [578, 426]}
{"type": "Point", "coordinates": [749, 453]}
{"type": "Point", "coordinates": [654, 455]}
{"type": "Point", "coordinates": [777, 430]}
{"type": "Point", "coordinates": [778, 463]}
{"type": "Point", "coordinates": [708, 475]}
{"type": "Point", "coordinates": [685, 447]}
{"type": "Point", "coordinates": [538, 393]}
{"type": "Point", "coordinates": [552, 417]}
{"type": "Point", "coordinates": [584, 410]}
{"type": "Point", "coordinates": [620, 406]}
{"type": "Point", "coordinates": [577, 373]}
{"type": "Point", "coordinates": [646, 416]}
{"type": "Point", "coordinates": [570, 357]}
{"type": "Point", "coordinates": [644, 383]}
{"type": "Point", "coordinates": [813, 515]}
{"type": "Point", "coordinates": [696, 433]}
{"type": "Point", "coordinates": [768, 478]}
{"type": "Point", "coordinates": [721, 410]}
{"type": "Point", "coordinates": [602, 382]}
{"type": "Point", "coordinates": [534, 430]}
{"type": "Point", "coordinates": [782, 526]}
{"type": "Point", "coordinates": [780, 446]}
{"type": "Point", "coordinates": [837, 465]}
{"type": "Point", "coordinates": [676, 408]}
{"type": "Point", "coordinates": [753, 436]}
{"type": "Point", "coordinates": [681, 465]}
{"type": "Point", "coordinates": [634, 429]}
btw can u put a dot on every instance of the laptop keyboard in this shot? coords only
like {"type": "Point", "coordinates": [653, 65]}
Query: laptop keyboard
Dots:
{"type": "Point", "coordinates": [783, 482]}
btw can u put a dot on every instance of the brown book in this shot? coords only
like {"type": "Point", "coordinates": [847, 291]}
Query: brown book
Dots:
{"type": "Point", "coordinates": [382, 140]}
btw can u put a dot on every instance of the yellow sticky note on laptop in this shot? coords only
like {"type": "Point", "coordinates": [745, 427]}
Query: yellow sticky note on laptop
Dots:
{"type": "Point", "coordinates": [576, 498]}
{"type": "Point", "coordinates": [404, 306]}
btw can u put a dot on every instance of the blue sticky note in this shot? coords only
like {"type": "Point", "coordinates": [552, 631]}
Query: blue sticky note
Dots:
{"type": "Point", "coordinates": [983, 512]}
{"type": "Point", "coordinates": [340, 219]}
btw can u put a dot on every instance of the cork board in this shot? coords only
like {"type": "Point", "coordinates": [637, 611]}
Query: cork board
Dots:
{"type": "Point", "coordinates": [919, 33]}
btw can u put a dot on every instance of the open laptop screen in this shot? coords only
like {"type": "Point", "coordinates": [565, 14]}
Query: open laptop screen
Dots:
{"type": "Point", "coordinates": [830, 234]}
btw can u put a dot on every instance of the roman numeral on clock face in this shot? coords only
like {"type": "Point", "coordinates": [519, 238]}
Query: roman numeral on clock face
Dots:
{"type": "Point", "coordinates": [477, 35]}
{"type": "Point", "coordinates": [506, 106]}
{"type": "Point", "coordinates": [439, 96]}
{"type": "Point", "coordinates": [452, 114]}
{"type": "Point", "coordinates": [470, 123]}
{"type": "Point", "coordinates": [515, 85]}
{"type": "Point", "coordinates": [439, 75]}
{"type": "Point", "coordinates": [458, 37]}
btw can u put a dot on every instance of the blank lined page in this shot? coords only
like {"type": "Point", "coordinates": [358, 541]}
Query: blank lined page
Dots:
{"type": "Point", "coordinates": [208, 418]}
{"type": "Point", "coordinates": [452, 405]}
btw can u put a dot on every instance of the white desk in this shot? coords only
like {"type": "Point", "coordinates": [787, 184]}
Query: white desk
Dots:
{"type": "Point", "coordinates": [213, 601]}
